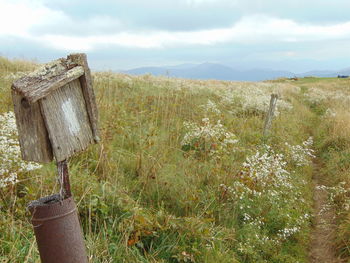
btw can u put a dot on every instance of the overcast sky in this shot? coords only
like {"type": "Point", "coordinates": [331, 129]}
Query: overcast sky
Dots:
{"type": "Point", "coordinates": [296, 35]}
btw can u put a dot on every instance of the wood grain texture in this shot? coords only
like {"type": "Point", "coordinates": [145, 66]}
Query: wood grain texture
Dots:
{"type": "Point", "coordinates": [56, 110]}
{"type": "Point", "coordinates": [48, 71]}
{"type": "Point", "coordinates": [67, 121]}
{"type": "Point", "coordinates": [33, 137]}
{"type": "Point", "coordinates": [270, 114]}
{"type": "Point", "coordinates": [88, 91]}
{"type": "Point", "coordinates": [39, 84]}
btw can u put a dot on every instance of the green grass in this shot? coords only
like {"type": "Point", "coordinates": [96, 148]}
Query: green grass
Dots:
{"type": "Point", "coordinates": [142, 198]}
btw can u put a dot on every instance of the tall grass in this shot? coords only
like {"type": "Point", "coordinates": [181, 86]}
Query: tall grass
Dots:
{"type": "Point", "coordinates": [333, 144]}
{"type": "Point", "coordinates": [145, 196]}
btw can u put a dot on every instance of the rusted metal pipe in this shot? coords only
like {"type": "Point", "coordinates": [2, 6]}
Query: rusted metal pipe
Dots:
{"type": "Point", "coordinates": [57, 230]}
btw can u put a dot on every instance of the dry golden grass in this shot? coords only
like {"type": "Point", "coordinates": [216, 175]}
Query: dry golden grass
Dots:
{"type": "Point", "coordinates": [143, 198]}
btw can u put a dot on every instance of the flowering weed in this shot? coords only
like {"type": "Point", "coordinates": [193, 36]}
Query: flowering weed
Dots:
{"type": "Point", "coordinates": [11, 162]}
{"type": "Point", "coordinates": [161, 188]}
{"type": "Point", "coordinates": [270, 209]}
{"type": "Point", "coordinates": [254, 99]}
{"type": "Point", "coordinates": [301, 154]}
{"type": "Point", "coordinates": [207, 139]}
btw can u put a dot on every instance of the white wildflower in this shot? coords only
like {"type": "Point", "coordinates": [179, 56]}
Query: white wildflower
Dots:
{"type": "Point", "coordinates": [330, 113]}
{"type": "Point", "coordinates": [254, 99]}
{"type": "Point", "coordinates": [208, 138]}
{"type": "Point", "coordinates": [266, 168]}
{"type": "Point", "coordinates": [211, 107]}
{"type": "Point", "coordinates": [301, 154]}
{"type": "Point", "coordinates": [10, 155]}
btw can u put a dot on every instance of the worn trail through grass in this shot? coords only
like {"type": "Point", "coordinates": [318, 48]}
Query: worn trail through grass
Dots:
{"type": "Point", "coordinates": [322, 249]}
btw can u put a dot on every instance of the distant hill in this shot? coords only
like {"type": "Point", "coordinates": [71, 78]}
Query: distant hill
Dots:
{"type": "Point", "coordinates": [210, 71]}
{"type": "Point", "coordinates": [326, 73]}
{"type": "Point", "coordinates": [221, 72]}
{"type": "Point", "coordinates": [318, 73]}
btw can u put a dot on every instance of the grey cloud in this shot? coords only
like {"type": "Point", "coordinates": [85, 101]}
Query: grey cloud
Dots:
{"type": "Point", "coordinates": [16, 47]}
{"type": "Point", "coordinates": [160, 15]}
{"type": "Point", "coordinates": [82, 18]}
{"type": "Point", "coordinates": [237, 56]}
{"type": "Point", "coordinates": [97, 25]}
{"type": "Point", "coordinates": [180, 16]}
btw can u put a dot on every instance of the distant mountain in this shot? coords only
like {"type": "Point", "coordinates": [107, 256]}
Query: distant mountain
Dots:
{"type": "Point", "coordinates": [182, 66]}
{"type": "Point", "coordinates": [221, 72]}
{"type": "Point", "coordinates": [318, 73]}
{"type": "Point", "coordinates": [345, 71]}
{"type": "Point", "coordinates": [326, 73]}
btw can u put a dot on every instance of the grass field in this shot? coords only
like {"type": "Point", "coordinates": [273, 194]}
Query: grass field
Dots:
{"type": "Point", "coordinates": [183, 173]}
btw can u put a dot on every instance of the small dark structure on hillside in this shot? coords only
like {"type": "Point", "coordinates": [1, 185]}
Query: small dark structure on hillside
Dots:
{"type": "Point", "coordinates": [342, 76]}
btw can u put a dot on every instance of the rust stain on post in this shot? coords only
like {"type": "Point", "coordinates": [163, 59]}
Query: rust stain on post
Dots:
{"type": "Point", "coordinates": [63, 177]}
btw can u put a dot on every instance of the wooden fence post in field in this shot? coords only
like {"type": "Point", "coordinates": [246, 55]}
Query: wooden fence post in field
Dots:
{"type": "Point", "coordinates": [270, 114]}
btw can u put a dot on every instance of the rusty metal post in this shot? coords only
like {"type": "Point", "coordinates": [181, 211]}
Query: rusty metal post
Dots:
{"type": "Point", "coordinates": [56, 225]}
{"type": "Point", "coordinates": [63, 178]}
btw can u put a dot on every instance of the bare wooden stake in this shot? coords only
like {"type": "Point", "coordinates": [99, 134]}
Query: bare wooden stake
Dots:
{"type": "Point", "coordinates": [63, 177]}
{"type": "Point", "coordinates": [270, 114]}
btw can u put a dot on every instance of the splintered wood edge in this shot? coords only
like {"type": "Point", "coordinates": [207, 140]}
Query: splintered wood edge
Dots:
{"type": "Point", "coordinates": [88, 92]}
{"type": "Point", "coordinates": [45, 72]}
{"type": "Point", "coordinates": [43, 87]}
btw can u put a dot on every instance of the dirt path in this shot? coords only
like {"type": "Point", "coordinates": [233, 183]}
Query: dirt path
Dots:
{"type": "Point", "coordinates": [322, 248]}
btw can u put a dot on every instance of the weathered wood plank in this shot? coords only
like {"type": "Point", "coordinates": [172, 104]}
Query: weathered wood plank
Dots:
{"type": "Point", "coordinates": [66, 119]}
{"type": "Point", "coordinates": [41, 83]}
{"type": "Point", "coordinates": [270, 114]}
{"type": "Point", "coordinates": [88, 91]}
{"type": "Point", "coordinates": [33, 139]}
{"type": "Point", "coordinates": [47, 71]}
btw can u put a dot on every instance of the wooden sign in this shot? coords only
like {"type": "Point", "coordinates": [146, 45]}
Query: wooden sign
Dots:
{"type": "Point", "coordinates": [56, 110]}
